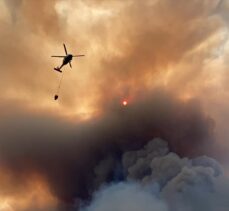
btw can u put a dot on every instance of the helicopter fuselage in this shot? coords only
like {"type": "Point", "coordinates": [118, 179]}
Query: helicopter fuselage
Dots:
{"type": "Point", "coordinates": [67, 59]}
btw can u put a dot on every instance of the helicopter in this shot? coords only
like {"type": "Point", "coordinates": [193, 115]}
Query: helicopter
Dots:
{"type": "Point", "coordinates": [66, 59]}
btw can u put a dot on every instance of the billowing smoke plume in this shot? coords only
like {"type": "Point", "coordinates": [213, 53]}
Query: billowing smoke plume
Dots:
{"type": "Point", "coordinates": [131, 48]}
{"type": "Point", "coordinates": [76, 159]}
{"type": "Point", "coordinates": [158, 180]}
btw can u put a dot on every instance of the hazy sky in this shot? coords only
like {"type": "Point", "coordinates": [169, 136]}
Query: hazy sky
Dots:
{"type": "Point", "coordinates": [129, 47]}
{"type": "Point", "coordinates": [135, 51]}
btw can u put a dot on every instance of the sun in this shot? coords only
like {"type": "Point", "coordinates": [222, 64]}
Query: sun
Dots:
{"type": "Point", "coordinates": [124, 103]}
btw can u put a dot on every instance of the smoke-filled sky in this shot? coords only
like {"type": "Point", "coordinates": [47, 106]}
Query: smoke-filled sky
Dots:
{"type": "Point", "coordinates": [168, 59]}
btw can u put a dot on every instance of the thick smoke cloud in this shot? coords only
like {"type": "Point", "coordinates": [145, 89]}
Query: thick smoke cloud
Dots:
{"type": "Point", "coordinates": [76, 159]}
{"type": "Point", "coordinates": [131, 47]}
{"type": "Point", "coordinates": [173, 183]}
{"type": "Point", "coordinates": [126, 197]}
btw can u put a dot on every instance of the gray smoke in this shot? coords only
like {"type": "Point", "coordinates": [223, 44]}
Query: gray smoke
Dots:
{"type": "Point", "coordinates": [126, 197]}
{"type": "Point", "coordinates": [158, 180]}
{"type": "Point", "coordinates": [76, 159]}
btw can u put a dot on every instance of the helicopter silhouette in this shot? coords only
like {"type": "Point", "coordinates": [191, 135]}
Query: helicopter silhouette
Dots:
{"type": "Point", "coordinates": [66, 59]}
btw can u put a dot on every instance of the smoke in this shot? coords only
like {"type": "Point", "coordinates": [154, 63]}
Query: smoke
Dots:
{"type": "Point", "coordinates": [166, 182]}
{"type": "Point", "coordinates": [14, 7]}
{"type": "Point", "coordinates": [77, 158]}
{"type": "Point", "coordinates": [26, 12]}
{"type": "Point", "coordinates": [131, 49]}
{"type": "Point", "coordinates": [126, 197]}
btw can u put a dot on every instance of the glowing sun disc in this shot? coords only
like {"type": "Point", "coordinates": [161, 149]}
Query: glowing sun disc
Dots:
{"type": "Point", "coordinates": [124, 103]}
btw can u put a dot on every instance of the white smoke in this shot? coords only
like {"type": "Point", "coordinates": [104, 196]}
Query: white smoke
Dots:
{"type": "Point", "coordinates": [126, 197]}
{"type": "Point", "coordinates": [158, 180]}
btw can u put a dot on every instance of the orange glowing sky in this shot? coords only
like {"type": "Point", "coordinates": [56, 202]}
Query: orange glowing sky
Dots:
{"type": "Point", "coordinates": [34, 195]}
{"type": "Point", "coordinates": [126, 51]}
{"type": "Point", "coordinates": [130, 46]}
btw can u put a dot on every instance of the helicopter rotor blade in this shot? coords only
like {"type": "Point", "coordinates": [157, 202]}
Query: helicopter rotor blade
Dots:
{"type": "Point", "coordinates": [65, 49]}
{"type": "Point", "coordinates": [70, 64]}
{"type": "Point", "coordinates": [58, 56]}
{"type": "Point", "coordinates": [78, 55]}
